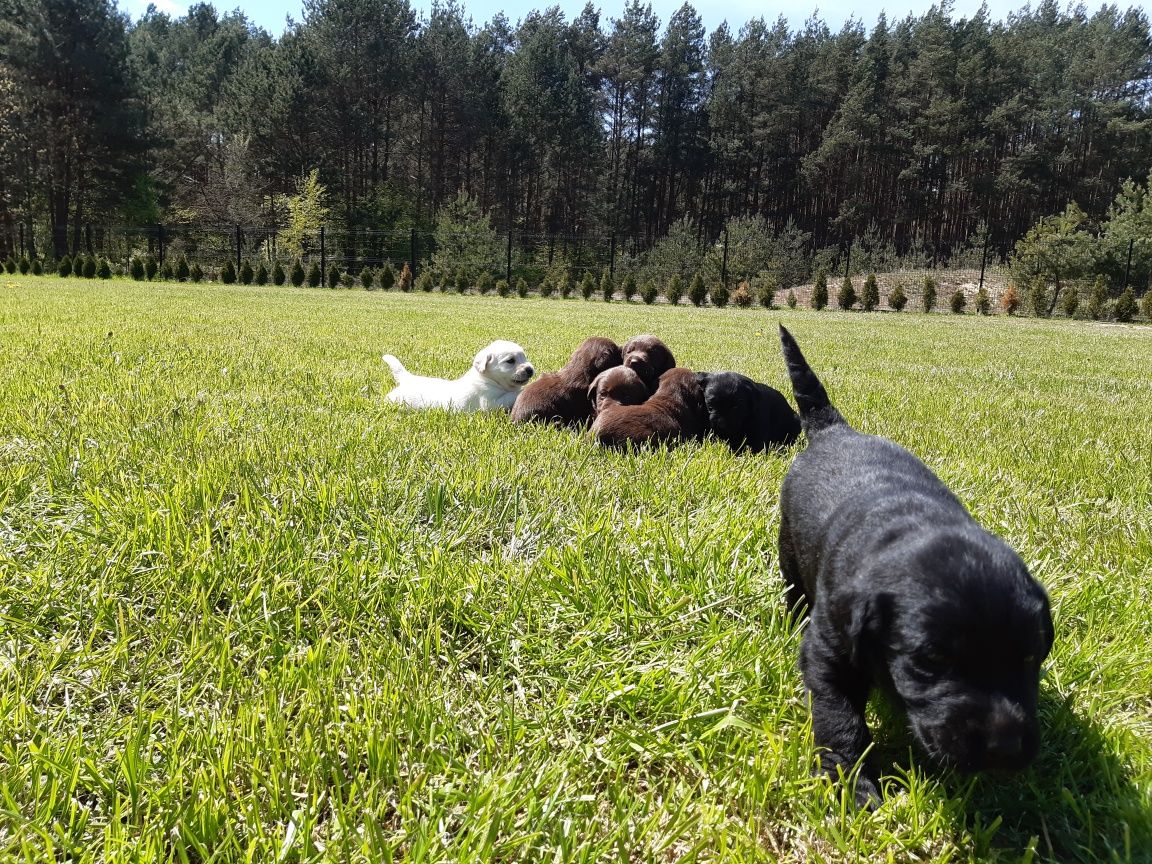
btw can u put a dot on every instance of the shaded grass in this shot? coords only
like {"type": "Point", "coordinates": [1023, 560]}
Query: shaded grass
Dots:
{"type": "Point", "coordinates": [249, 611]}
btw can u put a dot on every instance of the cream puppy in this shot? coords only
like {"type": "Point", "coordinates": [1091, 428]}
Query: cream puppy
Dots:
{"type": "Point", "coordinates": [498, 373]}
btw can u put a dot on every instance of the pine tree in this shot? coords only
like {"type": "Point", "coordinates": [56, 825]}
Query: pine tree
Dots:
{"type": "Point", "coordinates": [870, 298]}
{"type": "Point", "coordinates": [463, 282]}
{"type": "Point", "coordinates": [928, 297]}
{"type": "Point", "coordinates": [897, 299]}
{"type": "Point", "coordinates": [64, 268]}
{"type": "Point", "coordinates": [742, 297]}
{"type": "Point", "coordinates": [1038, 297]}
{"type": "Point", "coordinates": [607, 289]}
{"type": "Point", "coordinates": [405, 280]}
{"type": "Point", "coordinates": [1097, 298]}
{"type": "Point", "coordinates": [10, 264]}
{"type": "Point", "coordinates": [104, 269]}
{"type": "Point", "coordinates": [37, 268]}
{"type": "Point", "coordinates": [1125, 306]}
{"type": "Point", "coordinates": [648, 293]}
{"type": "Point", "coordinates": [387, 276]}
{"type": "Point", "coordinates": [1010, 300]}
{"type": "Point", "coordinates": [521, 287]}
{"type": "Point", "coordinates": [485, 284]}
{"type": "Point", "coordinates": [24, 265]}
{"type": "Point", "coordinates": [367, 278]}
{"type": "Point", "coordinates": [674, 290]}
{"type": "Point", "coordinates": [587, 286]}
{"type": "Point", "coordinates": [502, 288]}
{"type": "Point", "coordinates": [983, 301]}
{"type": "Point", "coordinates": [195, 272]}
{"type": "Point", "coordinates": [1070, 302]}
{"type": "Point", "coordinates": [697, 291]}
{"type": "Point", "coordinates": [791, 301]}
{"type": "Point", "coordinates": [820, 291]}
{"type": "Point", "coordinates": [166, 272]}
{"type": "Point", "coordinates": [314, 275]}
{"type": "Point", "coordinates": [246, 273]}
{"type": "Point", "coordinates": [228, 272]}
{"type": "Point", "coordinates": [719, 295]}
{"type": "Point", "coordinates": [846, 297]}
{"type": "Point", "coordinates": [566, 285]}
{"type": "Point", "coordinates": [297, 273]}
{"type": "Point", "coordinates": [958, 302]}
{"type": "Point", "coordinates": [546, 287]}
{"type": "Point", "coordinates": [182, 269]}
{"type": "Point", "coordinates": [424, 283]}
{"type": "Point", "coordinates": [261, 274]}
{"type": "Point", "coordinates": [279, 277]}
{"type": "Point", "coordinates": [629, 287]}
{"type": "Point", "coordinates": [89, 271]}
{"type": "Point", "coordinates": [332, 277]}
{"type": "Point", "coordinates": [1146, 305]}
{"type": "Point", "coordinates": [151, 268]}
{"type": "Point", "coordinates": [766, 294]}
{"type": "Point", "coordinates": [136, 269]}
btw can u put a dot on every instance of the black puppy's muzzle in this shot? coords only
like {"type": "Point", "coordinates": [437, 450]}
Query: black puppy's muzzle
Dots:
{"type": "Point", "coordinates": [1002, 738]}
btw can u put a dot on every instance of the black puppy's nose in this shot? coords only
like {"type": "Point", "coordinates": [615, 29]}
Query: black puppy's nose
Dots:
{"type": "Point", "coordinates": [1006, 746]}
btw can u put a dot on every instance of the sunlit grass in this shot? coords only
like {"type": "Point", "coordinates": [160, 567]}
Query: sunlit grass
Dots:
{"type": "Point", "coordinates": [250, 612]}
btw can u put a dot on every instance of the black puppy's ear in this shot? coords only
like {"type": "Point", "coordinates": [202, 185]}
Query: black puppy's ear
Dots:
{"type": "Point", "coordinates": [869, 625]}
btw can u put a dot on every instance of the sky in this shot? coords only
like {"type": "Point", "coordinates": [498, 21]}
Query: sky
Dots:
{"type": "Point", "coordinates": [271, 14]}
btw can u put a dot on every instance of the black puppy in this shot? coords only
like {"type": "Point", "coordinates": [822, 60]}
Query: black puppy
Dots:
{"type": "Point", "coordinates": [904, 591]}
{"type": "Point", "coordinates": [746, 414]}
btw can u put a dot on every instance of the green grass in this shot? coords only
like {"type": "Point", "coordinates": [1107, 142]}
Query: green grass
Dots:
{"type": "Point", "coordinates": [250, 612]}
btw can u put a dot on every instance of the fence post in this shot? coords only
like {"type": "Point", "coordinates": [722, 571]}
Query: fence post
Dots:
{"type": "Point", "coordinates": [160, 242]}
{"type": "Point", "coordinates": [724, 261]}
{"type": "Point", "coordinates": [508, 262]}
{"type": "Point", "coordinates": [1128, 266]}
{"type": "Point", "coordinates": [412, 253]}
{"type": "Point", "coordinates": [612, 258]}
{"type": "Point", "coordinates": [984, 258]}
{"type": "Point", "coordinates": [323, 258]}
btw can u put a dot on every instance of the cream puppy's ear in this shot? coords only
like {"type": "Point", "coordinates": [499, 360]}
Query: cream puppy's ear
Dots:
{"type": "Point", "coordinates": [482, 361]}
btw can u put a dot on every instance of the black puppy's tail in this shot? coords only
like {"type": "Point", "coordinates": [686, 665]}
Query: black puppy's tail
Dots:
{"type": "Point", "coordinates": [816, 411]}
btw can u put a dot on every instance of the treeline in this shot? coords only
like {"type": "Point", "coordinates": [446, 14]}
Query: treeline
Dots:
{"type": "Point", "coordinates": [922, 133]}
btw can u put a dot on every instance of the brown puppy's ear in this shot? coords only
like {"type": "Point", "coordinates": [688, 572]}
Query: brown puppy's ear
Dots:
{"type": "Point", "coordinates": [592, 396]}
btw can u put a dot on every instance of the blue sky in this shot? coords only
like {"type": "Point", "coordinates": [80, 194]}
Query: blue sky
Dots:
{"type": "Point", "coordinates": [270, 14]}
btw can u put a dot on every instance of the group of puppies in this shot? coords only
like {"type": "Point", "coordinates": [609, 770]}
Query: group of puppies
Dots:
{"type": "Point", "coordinates": [903, 590]}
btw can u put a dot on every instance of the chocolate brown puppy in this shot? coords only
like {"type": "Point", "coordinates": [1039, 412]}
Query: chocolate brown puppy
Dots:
{"type": "Point", "coordinates": [562, 396]}
{"type": "Point", "coordinates": [675, 412]}
{"type": "Point", "coordinates": [615, 387]}
{"type": "Point", "coordinates": [649, 357]}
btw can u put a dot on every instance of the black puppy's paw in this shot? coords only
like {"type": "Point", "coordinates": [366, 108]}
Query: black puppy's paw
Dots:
{"type": "Point", "coordinates": [863, 784]}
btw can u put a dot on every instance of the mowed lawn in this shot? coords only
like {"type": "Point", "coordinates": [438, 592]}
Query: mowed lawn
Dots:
{"type": "Point", "coordinates": [250, 612]}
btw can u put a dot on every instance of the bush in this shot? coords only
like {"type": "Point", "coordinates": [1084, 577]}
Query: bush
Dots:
{"type": "Point", "coordinates": [405, 280]}
{"type": "Point", "coordinates": [332, 277]}
{"type": "Point", "coordinates": [697, 291]}
{"type": "Point", "coordinates": [1038, 297]}
{"type": "Point", "coordinates": [10, 264]}
{"type": "Point", "coordinates": [502, 288]}
{"type": "Point", "coordinates": [928, 297]}
{"type": "Point", "coordinates": [766, 293]}
{"type": "Point", "coordinates": [983, 301]}
{"type": "Point", "coordinates": [463, 282]}
{"type": "Point", "coordinates": [37, 268]}
{"type": "Point", "coordinates": [347, 280]}
{"type": "Point", "coordinates": [424, 282]}
{"type": "Point", "coordinates": [297, 273]}
{"type": "Point", "coordinates": [387, 276]}
{"type": "Point", "coordinates": [1146, 305]}
{"type": "Point", "coordinates": [104, 269]}
{"type": "Point", "coordinates": [719, 295]}
{"type": "Point", "coordinates": [607, 289]}
{"type": "Point", "coordinates": [314, 275]}
{"type": "Point", "coordinates": [820, 291]}
{"type": "Point", "coordinates": [791, 301]}
{"type": "Point", "coordinates": [742, 297]}
{"type": "Point", "coordinates": [24, 265]}
{"type": "Point", "coordinates": [674, 290]}
{"type": "Point", "coordinates": [278, 274]}
{"type": "Point", "coordinates": [846, 296]}
{"type": "Point", "coordinates": [136, 269]}
{"type": "Point", "coordinates": [485, 283]}
{"type": "Point", "coordinates": [151, 268]}
{"type": "Point", "coordinates": [367, 278]}
{"type": "Point", "coordinates": [444, 283]}
{"type": "Point", "coordinates": [1125, 306]}
{"type": "Point", "coordinates": [1010, 300]}
{"type": "Point", "coordinates": [1070, 302]}
{"type": "Point", "coordinates": [64, 268]}
{"type": "Point", "coordinates": [870, 299]}
{"type": "Point", "coordinates": [196, 273]}
{"type": "Point", "coordinates": [897, 299]}
{"type": "Point", "coordinates": [246, 273]}
{"type": "Point", "coordinates": [566, 285]}
{"type": "Point", "coordinates": [648, 293]}
{"type": "Point", "coordinates": [587, 286]}
{"type": "Point", "coordinates": [522, 287]}
{"type": "Point", "coordinates": [89, 271]}
{"type": "Point", "coordinates": [166, 272]}
{"type": "Point", "coordinates": [958, 302]}
{"type": "Point", "coordinates": [546, 288]}
{"type": "Point", "coordinates": [1097, 297]}
{"type": "Point", "coordinates": [629, 287]}
{"type": "Point", "coordinates": [182, 270]}
{"type": "Point", "coordinates": [228, 272]}
{"type": "Point", "coordinates": [261, 277]}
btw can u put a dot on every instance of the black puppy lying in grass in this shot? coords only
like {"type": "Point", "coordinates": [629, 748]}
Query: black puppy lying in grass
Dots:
{"type": "Point", "coordinates": [746, 414]}
{"type": "Point", "coordinates": [906, 592]}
